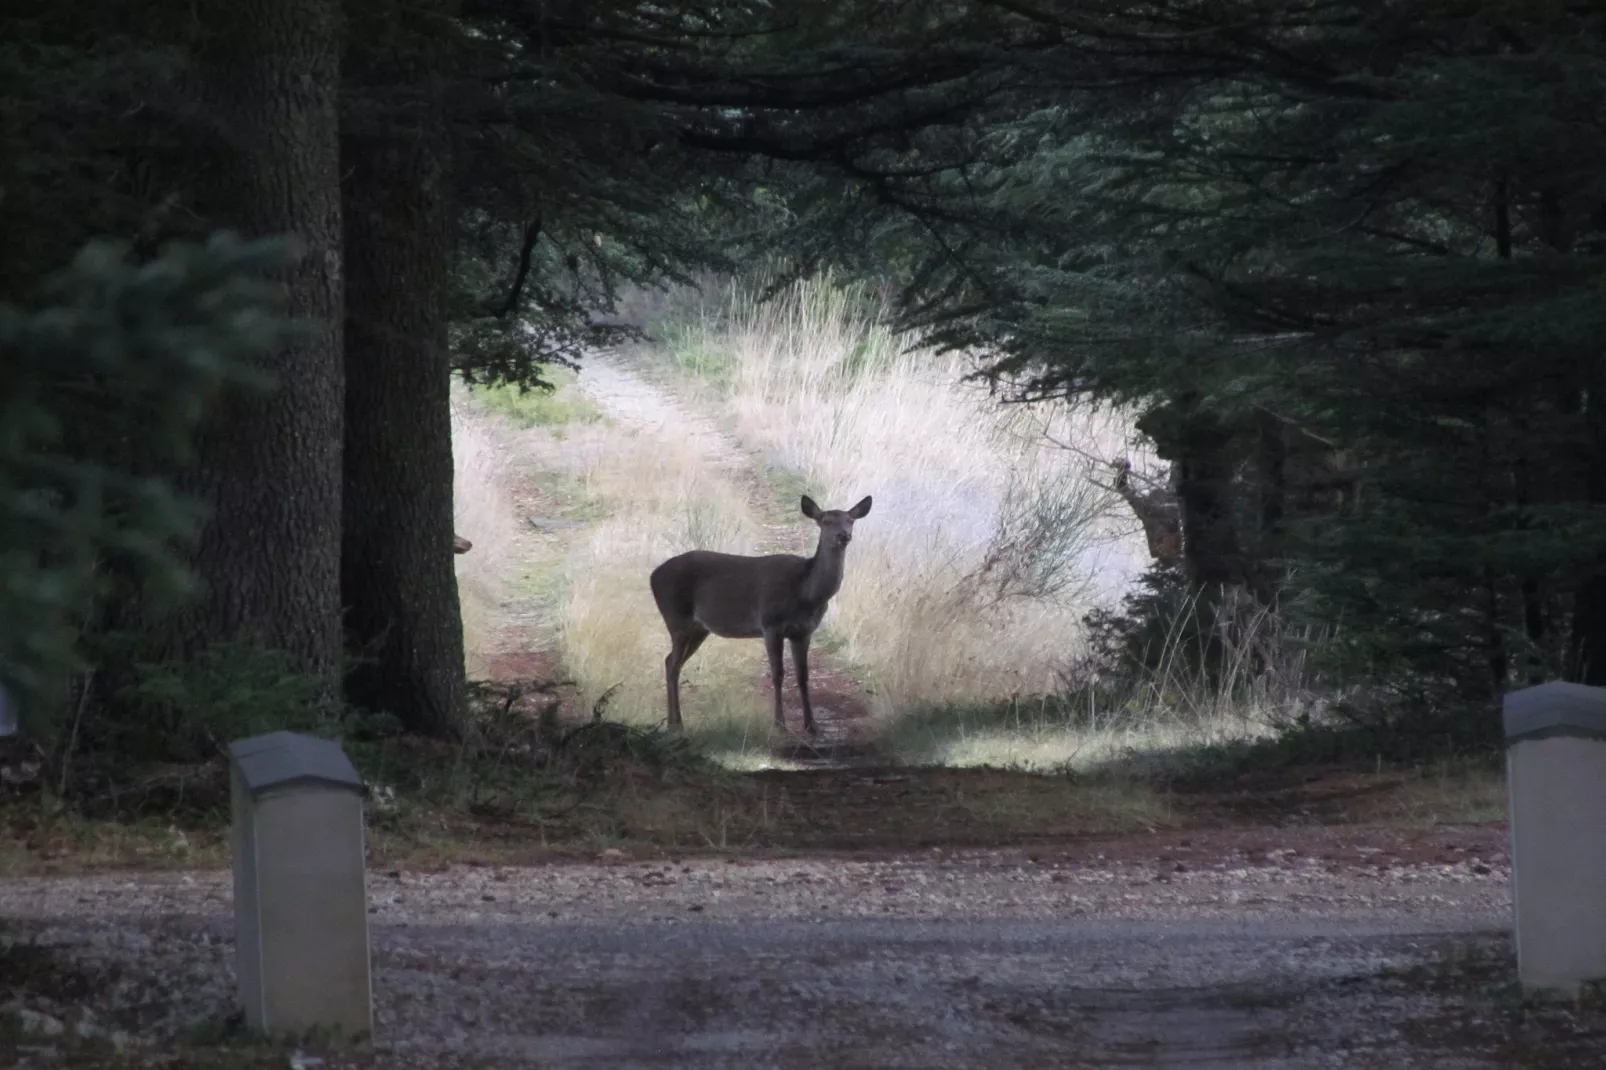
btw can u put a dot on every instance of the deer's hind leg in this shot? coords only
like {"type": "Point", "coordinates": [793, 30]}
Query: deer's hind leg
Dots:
{"type": "Point", "coordinates": [774, 644]}
{"type": "Point", "coordinates": [684, 642]}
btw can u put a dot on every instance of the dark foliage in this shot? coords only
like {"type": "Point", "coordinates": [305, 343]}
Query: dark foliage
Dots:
{"type": "Point", "coordinates": [1343, 258]}
{"type": "Point", "coordinates": [132, 353]}
{"type": "Point", "coordinates": [1346, 261]}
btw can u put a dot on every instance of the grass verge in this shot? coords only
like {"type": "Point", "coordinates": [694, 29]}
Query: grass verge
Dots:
{"type": "Point", "coordinates": [534, 407]}
{"type": "Point", "coordinates": [1058, 732]}
{"type": "Point", "coordinates": [524, 788]}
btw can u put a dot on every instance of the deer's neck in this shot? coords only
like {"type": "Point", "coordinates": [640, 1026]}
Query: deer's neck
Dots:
{"type": "Point", "coordinates": [825, 574]}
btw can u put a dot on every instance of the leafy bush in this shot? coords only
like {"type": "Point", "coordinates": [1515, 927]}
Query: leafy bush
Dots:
{"type": "Point", "coordinates": [228, 691]}
{"type": "Point", "coordinates": [1161, 628]}
{"type": "Point", "coordinates": [100, 391]}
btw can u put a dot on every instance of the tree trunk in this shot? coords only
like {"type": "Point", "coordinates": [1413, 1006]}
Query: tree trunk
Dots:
{"type": "Point", "coordinates": [1588, 640]}
{"type": "Point", "coordinates": [397, 577]}
{"type": "Point", "coordinates": [1201, 447]}
{"type": "Point", "coordinates": [269, 465]}
{"type": "Point", "coordinates": [1210, 546]}
{"type": "Point", "coordinates": [1271, 471]}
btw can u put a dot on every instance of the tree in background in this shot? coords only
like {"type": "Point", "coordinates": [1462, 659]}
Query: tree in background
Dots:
{"type": "Point", "coordinates": [397, 583]}
{"type": "Point", "coordinates": [172, 123]}
{"type": "Point", "coordinates": [150, 346]}
{"type": "Point", "coordinates": [1373, 228]}
{"type": "Point", "coordinates": [268, 469]}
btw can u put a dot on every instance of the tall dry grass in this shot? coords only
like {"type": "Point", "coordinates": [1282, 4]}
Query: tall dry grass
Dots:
{"type": "Point", "coordinates": [659, 495]}
{"type": "Point", "coordinates": [1145, 722]}
{"type": "Point", "coordinates": [988, 541]}
{"type": "Point", "coordinates": [483, 513]}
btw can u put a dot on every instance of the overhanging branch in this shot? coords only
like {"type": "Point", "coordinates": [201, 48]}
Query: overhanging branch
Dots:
{"type": "Point", "coordinates": [532, 234]}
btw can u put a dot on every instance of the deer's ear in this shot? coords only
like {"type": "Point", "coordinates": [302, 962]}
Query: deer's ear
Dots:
{"type": "Point", "coordinates": [810, 510]}
{"type": "Point", "coordinates": [862, 510]}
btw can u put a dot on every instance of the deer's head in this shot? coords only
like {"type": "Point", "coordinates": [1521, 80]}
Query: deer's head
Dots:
{"type": "Point", "coordinates": [836, 525]}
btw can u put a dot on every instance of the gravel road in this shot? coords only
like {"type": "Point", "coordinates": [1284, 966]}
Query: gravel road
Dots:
{"type": "Point", "coordinates": [933, 961]}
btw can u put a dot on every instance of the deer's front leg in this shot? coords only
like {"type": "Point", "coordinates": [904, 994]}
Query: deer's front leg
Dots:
{"type": "Point", "coordinates": [800, 664]}
{"type": "Point", "coordinates": [772, 647]}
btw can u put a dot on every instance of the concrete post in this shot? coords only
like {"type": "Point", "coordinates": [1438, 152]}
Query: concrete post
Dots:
{"type": "Point", "coordinates": [1556, 774]}
{"type": "Point", "coordinates": [300, 902]}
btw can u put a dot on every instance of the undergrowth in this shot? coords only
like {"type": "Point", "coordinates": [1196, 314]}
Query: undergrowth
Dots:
{"type": "Point", "coordinates": [519, 772]}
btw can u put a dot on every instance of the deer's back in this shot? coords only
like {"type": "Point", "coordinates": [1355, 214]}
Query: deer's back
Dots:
{"type": "Point", "coordinates": [729, 594]}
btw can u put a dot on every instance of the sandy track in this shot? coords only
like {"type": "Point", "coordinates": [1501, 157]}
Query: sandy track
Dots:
{"type": "Point", "coordinates": [631, 400]}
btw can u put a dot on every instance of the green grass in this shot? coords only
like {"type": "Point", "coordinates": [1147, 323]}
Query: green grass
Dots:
{"type": "Point", "coordinates": [694, 353]}
{"type": "Point", "coordinates": [540, 408]}
{"type": "Point", "coordinates": [1049, 733]}
{"type": "Point", "coordinates": [785, 486]}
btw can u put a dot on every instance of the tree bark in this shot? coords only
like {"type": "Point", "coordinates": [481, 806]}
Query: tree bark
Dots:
{"type": "Point", "coordinates": [1588, 640]}
{"type": "Point", "coordinates": [1200, 445]}
{"type": "Point", "coordinates": [1271, 473]}
{"type": "Point", "coordinates": [397, 577]}
{"type": "Point", "coordinates": [269, 466]}
{"type": "Point", "coordinates": [1210, 546]}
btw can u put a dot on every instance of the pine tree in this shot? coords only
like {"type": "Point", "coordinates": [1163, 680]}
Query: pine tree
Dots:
{"type": "Point", "coordinates": [269, 467]}
{"type": "Point", "coordinates": [397, 584]}
{"type": "Point", "coordinates": [1372, 228]}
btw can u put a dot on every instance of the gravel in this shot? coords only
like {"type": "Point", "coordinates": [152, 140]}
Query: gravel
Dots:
{"type": "Point", "coordinates": [981, 958]}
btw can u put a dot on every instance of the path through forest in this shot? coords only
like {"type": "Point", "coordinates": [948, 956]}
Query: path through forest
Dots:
{"type": "Point", "coordinates": [522, 632]}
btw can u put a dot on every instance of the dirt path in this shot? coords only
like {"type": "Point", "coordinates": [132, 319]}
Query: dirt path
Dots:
{"type": "Point", "coordinates": [845, 732]}
{"type": "Point", "coordinates": [520, 628]}
{"type": "Point", "coordinates": [965, 959]}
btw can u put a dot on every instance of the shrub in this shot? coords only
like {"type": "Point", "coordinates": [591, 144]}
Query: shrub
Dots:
{"type": "Point", "coordinates": [98, 390]}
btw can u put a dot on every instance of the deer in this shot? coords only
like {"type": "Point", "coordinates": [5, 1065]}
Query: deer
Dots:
{"type": "Point", "coordinates": [780, 598]}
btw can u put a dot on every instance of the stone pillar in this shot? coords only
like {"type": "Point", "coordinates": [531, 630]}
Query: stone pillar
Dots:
{"type": "Point", "coordinates": [1556, 774]}
{"type": "Point", "coordinates": [300, 900]}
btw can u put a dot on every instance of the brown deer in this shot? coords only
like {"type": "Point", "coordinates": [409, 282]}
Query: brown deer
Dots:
{"type": "Point", "coordinates": [778, 597]}
{"type": "Point", "coordinates": [1156, 508]}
